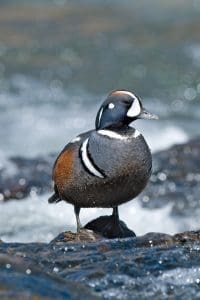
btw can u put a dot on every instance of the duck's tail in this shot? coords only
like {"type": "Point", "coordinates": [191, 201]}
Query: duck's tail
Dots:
{"type": "Point", "coordinates": [55, 198]}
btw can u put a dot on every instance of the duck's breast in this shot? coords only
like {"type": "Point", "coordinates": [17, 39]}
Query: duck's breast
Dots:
{"type": "Point", "coordinates": [106, 168]}
{"type": "Point", "coordinates": [125, 154]}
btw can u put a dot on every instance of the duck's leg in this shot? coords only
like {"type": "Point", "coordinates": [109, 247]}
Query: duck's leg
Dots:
{"type": "Point", "coordinates": [77, 212]}
{"type": "Point", "coordinates": [83, 234]}
{"type": "Point", "coordinates": [116, 214]}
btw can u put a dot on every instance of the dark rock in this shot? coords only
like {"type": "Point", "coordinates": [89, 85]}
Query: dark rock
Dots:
{"type": "Point", "coordinates": [155, 239]}
{"type": "Point", "coordinates": [24, 280]}
{"type": "Point", "coordinates": [109, 228]}
{"type": "Point", "coordinates": [175, 180]}
{"type": "Point", "coordinates": [27, 175]}
{"type": "Point", "coordinates": [188, 236]}
{"type": "Point", "coordinates": [155, 266]}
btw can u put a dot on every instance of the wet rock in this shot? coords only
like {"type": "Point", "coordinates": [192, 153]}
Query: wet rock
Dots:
{"type": "Point", "coordinates": [155, 265]}
{"type": "Point", "coordinates": [148, 240]}
{"type": "Point", "coordinates": [20, 279]}
{"type": "Point", "coordinates": [84, 235]}
{"type": "Point", "coordinates": [22, 176]}
{"type": "Point", "coordinates": [155, 239]}
{"type": "Point", "coordinates": [175, 180]}
{"type": "Point", "coordinates": [188, 236]}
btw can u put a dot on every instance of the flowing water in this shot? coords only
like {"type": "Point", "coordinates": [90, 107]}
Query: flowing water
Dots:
{"type": "Point", "coordinates": [58, 60]}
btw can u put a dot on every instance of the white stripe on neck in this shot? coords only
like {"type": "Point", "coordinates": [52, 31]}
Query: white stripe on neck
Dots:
{"type": "Point", "coordinates": [113, 135]}
{"type": "Point", "coordinates": [87, 162]}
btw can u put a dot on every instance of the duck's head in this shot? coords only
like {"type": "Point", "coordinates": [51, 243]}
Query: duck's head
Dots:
{"type": "Point", "coordinates": [120, 109]}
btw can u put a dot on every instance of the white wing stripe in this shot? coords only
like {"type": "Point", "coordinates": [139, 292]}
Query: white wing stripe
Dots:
{"type": "Point", "coordinates": [86, 161]}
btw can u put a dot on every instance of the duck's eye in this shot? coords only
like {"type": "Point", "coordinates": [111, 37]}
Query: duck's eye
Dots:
{"type": "Point", "coordinates": [111, 105]}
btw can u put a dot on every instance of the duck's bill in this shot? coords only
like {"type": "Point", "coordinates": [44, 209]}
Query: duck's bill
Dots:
{"type": "Point", "coordinates": [147, 115]}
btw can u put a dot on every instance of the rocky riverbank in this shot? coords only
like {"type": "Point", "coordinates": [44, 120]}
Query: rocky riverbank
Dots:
{"type": "Point", "coordinates": [151, 266]}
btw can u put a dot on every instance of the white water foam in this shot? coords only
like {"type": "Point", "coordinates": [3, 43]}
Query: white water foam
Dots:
{"type": "Point", "coordinates": [163, 136]}
{"type": "Point", "coordinates": [33, 219]}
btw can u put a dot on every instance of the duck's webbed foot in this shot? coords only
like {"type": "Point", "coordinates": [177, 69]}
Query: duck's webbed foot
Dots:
{"type": "Point", "coordinates": [110, 226]}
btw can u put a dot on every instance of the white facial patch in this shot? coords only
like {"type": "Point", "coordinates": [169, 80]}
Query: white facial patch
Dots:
{"type": "Point", "coordinates": [87, 162]}
{"type": "Point", "coordinates": [135, 109]}
{"type": "Point", "coordinates": [111, 105]}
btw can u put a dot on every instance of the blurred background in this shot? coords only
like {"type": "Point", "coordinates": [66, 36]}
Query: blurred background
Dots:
{"type": "Point", "coordinates": [59, 59]}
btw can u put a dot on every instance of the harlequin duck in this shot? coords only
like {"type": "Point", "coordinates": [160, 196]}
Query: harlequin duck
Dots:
{"type": "Point", "coordinates": [107, 166]}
